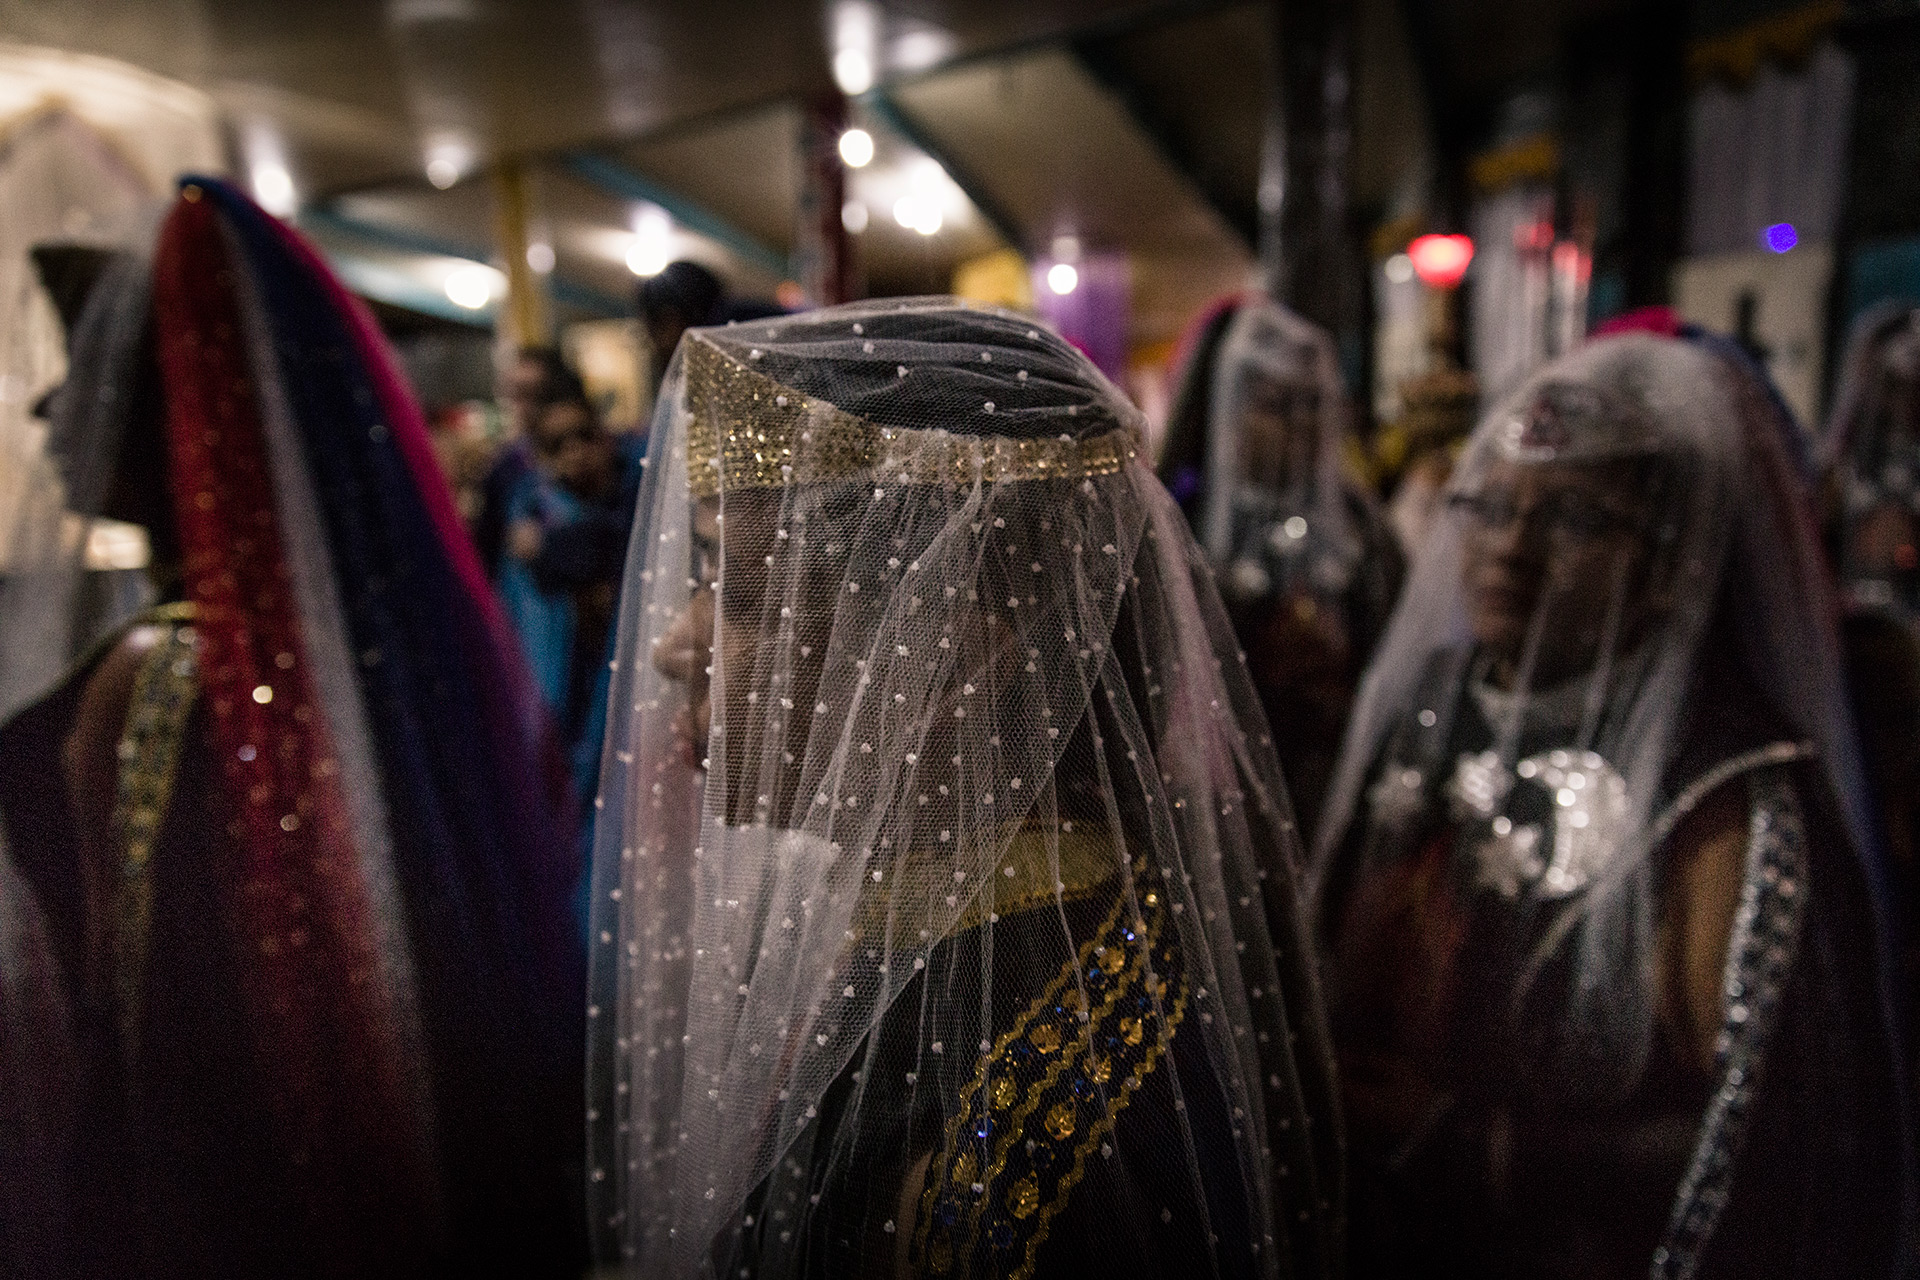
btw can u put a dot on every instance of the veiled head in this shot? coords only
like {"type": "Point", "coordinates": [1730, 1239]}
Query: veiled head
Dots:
{"type": "Point", "coordinates": [1568, 512]}
{"type": "Point", "coordinates": [1275, 397]}
{"type": "Point", "coordinates": [825, 461]}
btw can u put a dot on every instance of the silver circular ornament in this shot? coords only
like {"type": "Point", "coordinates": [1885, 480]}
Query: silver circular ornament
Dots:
{"type": "Point", "coordinates": [1585, 798]}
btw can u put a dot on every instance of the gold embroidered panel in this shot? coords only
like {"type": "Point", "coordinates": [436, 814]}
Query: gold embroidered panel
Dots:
{"type": "Point", "coordinates": [748, 431]}
{"type": "Point", "coordinates": [164, 691]}
{"type": "Point", "coordinates": [1044, 1099]}
{"type": "Point", "coordinates": [1038, 869]}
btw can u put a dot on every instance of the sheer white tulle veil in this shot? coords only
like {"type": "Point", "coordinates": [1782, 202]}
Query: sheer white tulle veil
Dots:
{"type": "Point", "coordinates": [968, 669]}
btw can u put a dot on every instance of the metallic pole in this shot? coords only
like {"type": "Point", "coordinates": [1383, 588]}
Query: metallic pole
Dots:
{"type": "Point", "coordinates": [1308, 254]}
{"type": "Point", "coordinates": [823, 251]}
{"type": "Point", "coordinates": [526, 319]}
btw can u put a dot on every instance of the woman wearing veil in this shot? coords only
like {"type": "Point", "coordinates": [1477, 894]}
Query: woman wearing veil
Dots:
{"type": "Point", "coordinates": [945, 915]}
{"type": "Point", "coordinates": [297, 831]}
{"type": "Point", "coordinates": [1870, 458]}
{"type": "Point", "coordinates": [1605, 948]}
{"type": "Point", "coordinates": [1307, 566]}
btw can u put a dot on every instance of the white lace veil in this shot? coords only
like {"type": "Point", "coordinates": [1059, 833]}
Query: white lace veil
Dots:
{"type": "Point", "coordinates": [1872, 408]}
{"type": "Point", "coordinates": [60, 181]}
{"type": "Point", "coordinates": [968, 665]}
{"type": "Point", "coordinates": [1870, 453]}
{"type": "Point", "coordinates": [1735, 550]}
{"type": "Point", "coordinates": [1274, 366]}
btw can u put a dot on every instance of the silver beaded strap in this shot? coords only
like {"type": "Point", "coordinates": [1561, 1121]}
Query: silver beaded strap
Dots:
{"type": "Point", "coordinates": [1761, 953]}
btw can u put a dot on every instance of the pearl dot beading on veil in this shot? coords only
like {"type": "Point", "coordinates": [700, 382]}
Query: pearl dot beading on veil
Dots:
{"type": "Point", "coordinates": [943, 861]}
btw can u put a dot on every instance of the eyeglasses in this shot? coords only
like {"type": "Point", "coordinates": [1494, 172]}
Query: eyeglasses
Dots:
{"type": "Point", "coordinates": [550, 446]}
{"type": "Point", "coordinates": [1565, 515]}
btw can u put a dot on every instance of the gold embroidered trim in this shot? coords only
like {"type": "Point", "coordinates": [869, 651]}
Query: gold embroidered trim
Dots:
{"type": "Point", "coordinates": [149, 752]}
{"type": "Point", "coordinates": [1090, 1064]}
{"type": "Point", "coordinates": [941, 1173]}
{"type": "Point", "coordinates": [1103, 1126]}
{"type": "Point", "coordinates": [1027, 876]}
{"type": "Point", "coordinates": [748, 431]}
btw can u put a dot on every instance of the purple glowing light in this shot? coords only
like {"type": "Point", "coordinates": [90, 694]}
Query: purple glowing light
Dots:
{"type": "Point", "coordinates": [1780, 237]}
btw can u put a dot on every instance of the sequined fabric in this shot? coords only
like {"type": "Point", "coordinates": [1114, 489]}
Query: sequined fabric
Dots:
{"type": "Point", "coordinates": [164, 693]}
{"type": "Point", "coordinates": [747, 431]}
{"type": "Point", "coordinates": [404, 853]}
{"type": "Point", "coordinates": [302, 908]}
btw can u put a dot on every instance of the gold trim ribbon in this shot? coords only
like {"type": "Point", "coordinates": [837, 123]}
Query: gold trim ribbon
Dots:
{"type": "Point", "coordinates": [748, 431]}
{"type": "Point", "coordinates": [1038, 869]}
{"type": "Point", "coordinates": [164, 692]}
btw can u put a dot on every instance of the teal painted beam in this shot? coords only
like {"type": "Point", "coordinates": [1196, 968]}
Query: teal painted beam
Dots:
{"type": "Point", "coordinates": [1005, 225]}
{"type": "Point", "coordinates": [397, 289]}
{"type": "Point", "coordinates": [616, 179]}
{"type": "Point", "coordinates": [407, 240]}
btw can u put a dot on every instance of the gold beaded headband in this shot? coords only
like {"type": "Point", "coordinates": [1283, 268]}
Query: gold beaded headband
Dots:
{"type": "Point", "coordinates": [748, 431]}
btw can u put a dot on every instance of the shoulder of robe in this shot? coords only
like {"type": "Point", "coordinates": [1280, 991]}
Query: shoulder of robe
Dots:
{"type": "Point", "coordinates": [91, 751]}
{"type": "Point", "coordinates": [105, 684]}
{"type": "Point", "coordinates": [1704, 864]}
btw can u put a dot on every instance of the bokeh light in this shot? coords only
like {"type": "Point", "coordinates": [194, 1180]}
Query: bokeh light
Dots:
{"type": "Point", "coordinates": [1441, 261]}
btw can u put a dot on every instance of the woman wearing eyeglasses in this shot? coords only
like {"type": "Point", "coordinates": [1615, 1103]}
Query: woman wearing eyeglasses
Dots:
{"type": "Point", "coordinates": [568, 523]}
{"type": "Point", "coordinates": [1595, 889]}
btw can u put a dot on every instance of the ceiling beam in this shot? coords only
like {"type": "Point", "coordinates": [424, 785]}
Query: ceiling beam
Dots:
{"type": "Point", "coordinates": [1096, 59]}
{"type": "Point", "coordinates": [1128, 20]}
{"type": "Point", "coordinates": [327, 219]}
{"type": "Point", "coordinates": [1115, 26]}
{"type": "Point", "coordinates": [889, 110]}
{"type": "Point", "coordinates": [398, 289]}
{"type": "Point", "coordinates": [618, 180]}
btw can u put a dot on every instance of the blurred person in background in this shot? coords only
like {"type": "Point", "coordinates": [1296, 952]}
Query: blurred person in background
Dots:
{"type": "Point", "coordinates": [536, 377]}
{"type": "Point", "coordinates": [687, 296]}
{"type": "Point", "coordinates": [1870, 457]}
{"type": "Point", "coordinates": [1182, 466]}
{"type": "Point", "coordinates": [299, 834]}
{"type": "Point", "coordinates": [1604, 925]}
{"type": "Point", "coordinates": [569, 519]}
{"type": "Point", "coordinates": [1306, 564]}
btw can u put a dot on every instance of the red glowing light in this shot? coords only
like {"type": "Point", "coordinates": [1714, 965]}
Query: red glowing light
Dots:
{"type": "Point", "coordinates": [1572, 262]}
{"type": "Point", "coordinates": [1440, 261]}
{"type": "Point", "coordinates": [1533, 237]}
